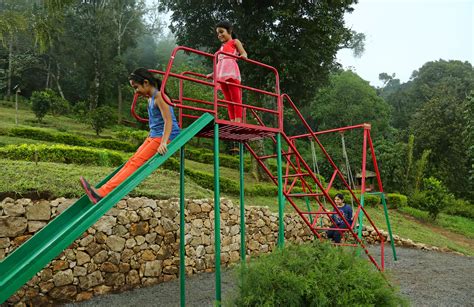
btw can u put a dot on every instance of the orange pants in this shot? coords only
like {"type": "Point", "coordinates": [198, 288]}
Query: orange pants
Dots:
{"type": "Point", "coordinates": [143, 154]}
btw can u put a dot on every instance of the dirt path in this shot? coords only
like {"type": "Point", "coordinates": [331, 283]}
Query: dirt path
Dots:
{"type": "Point", "coordinates": [426, 278]}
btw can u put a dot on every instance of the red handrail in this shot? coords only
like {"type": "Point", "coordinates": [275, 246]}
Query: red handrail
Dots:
{"type": "Point", "coordinates": [216, 103]}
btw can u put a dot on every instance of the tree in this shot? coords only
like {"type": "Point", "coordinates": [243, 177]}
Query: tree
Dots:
{"type": "Point", "coordinates": [431, 106]}
{"type": "Point", "coordinates": [349, 100]}
{"type": "Point", "coordinates": [468, 135]}
{"type": "Point", "coordinates": [438, 126]}
{"type": "Point", "coordinates": [400, 169]}
{"type": "Point", "coordinates": [40, 104]}
{"type": "Point", "coordinates": [299, 38]}
{"type": "Point", "coordinates": [101, 118]}
{"type": "Point", "coordinates": [435, 195]}
{"type": "Point", "coordinates": [13, 21]}
{"type": "Point", "coordinates": [124, 13]}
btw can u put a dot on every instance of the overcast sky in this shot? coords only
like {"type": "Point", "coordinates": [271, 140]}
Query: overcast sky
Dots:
{"type": "Point", "coordinates": [402, 35]}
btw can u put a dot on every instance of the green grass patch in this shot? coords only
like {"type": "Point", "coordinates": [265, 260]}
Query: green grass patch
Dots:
{"type": "Point", "coordinates": [458, 224]}
{"type": "Point", "coordinates": [409, 228]}
{"type": "Point", "coordinates": [50, 123]}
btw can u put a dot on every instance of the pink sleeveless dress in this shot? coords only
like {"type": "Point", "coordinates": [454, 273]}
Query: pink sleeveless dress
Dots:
{"type": "Point", "coordinates": [227, 67]}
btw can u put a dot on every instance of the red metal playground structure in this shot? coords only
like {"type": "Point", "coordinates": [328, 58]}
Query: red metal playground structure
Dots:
{"type": "Point", "coordinates": [296, 181]}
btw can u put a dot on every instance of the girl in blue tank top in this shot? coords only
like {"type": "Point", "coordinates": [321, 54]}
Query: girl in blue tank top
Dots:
{"type": "Point", "coordinates": [163, 129]}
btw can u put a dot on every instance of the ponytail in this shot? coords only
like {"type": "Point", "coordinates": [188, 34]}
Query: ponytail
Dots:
{"type": "Point", "coordinates": [141, 74]}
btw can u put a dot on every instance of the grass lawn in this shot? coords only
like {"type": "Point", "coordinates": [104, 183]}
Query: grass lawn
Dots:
{"type": "Point", "coordinates": [26, 118]}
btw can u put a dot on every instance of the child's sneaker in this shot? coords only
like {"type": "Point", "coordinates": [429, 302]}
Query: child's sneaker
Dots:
{"type": "Point", "coordinates": [93, 196]}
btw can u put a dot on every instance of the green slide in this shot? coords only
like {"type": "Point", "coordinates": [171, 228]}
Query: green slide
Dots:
{"type": "Point", "coordinates": [28, 259]}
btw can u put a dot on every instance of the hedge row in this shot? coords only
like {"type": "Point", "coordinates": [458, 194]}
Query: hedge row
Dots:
{"type": "Point", "coordinates": [68, 139]}
{"type": "Point", "coordinates": [207, 156]}
{"type": "Point", "coordinates": [90, 156]}
{"type": "Point", "coordinates": [393, 200]}
{"type": "Point", "coordinates": [206, 180]}
{"type": "Point", "coordinates": [61, 154]}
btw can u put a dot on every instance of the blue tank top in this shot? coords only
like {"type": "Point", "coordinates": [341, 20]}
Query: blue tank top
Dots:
{"type": "Point", "coordinates": [156, 122]}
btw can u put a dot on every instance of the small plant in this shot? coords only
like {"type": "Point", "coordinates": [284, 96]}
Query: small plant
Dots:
{"type": "Point", "coordinates": [58, 105]}
{"type": "Point", "coordinates": [40, 104]}
{"type": "Point", "coordinates": [312, 275]}
{"type": "Point", "coordinates": [101, 118]}
{"type": "Point", "coordinates": [436, 197]}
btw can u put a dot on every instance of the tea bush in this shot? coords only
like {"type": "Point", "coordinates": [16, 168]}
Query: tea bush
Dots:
{"type": "Point", "coordinates": [61, 154]}
{"type": "Point", "coordinates": [312, 275]}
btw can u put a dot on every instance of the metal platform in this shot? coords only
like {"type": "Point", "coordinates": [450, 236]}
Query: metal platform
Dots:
{"type": "Point", "coordinates": [238, 132]}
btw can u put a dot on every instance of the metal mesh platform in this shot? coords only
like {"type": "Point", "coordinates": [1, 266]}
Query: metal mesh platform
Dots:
{"type": "Point", "coordinates": [238, 132]}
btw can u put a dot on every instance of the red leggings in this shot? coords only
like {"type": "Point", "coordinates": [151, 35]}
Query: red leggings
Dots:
{"type": "Point", "coordinates": [234, 94]}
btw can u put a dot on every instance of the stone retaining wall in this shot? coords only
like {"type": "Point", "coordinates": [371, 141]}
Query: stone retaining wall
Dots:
{"type": "Point", "coordinates": [137, 244]}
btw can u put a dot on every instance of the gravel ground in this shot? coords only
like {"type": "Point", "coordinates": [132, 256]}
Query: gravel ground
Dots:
{"type": "Point", "coordinates": [426, 278]}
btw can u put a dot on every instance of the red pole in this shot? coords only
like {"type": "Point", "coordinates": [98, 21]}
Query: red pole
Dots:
{"type": "Point", "coordinates": [364, 161]}
{"type": "Point", "coordinates": [374, 161]}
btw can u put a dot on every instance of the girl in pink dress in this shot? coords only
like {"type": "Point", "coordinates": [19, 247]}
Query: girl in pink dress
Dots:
{"type": "Point", "coordinates": [227, 69]}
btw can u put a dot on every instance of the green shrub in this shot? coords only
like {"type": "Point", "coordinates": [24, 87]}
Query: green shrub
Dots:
{"type": "Point", "coordinates": [417, 200]}
{"type": "Point", "coordinates": [40, 104]}
{"type": "Point", "coordinates": [114, 145]}
{"type": "Point", "coordinates": [371, 200]}
{"type": "Point", "coordinates": [395, 200]}
{"type": "Point", "coordinates": [224, 160]}
{"type": "Point", "coordinates": [80, 109]}
{"type": "Point", "coordinates": [58, 105]}
{"type": "Point", "coordinates": [204, 179]}
{"type": "Point", "coordinates": [61, 154]}
{"type": "Point", "coordinates": [135, 137]}
{"type": "Point", "coordinates": [433, 198]}
{"type": "Point", "coordinates": [459, 207]}
{"type": "Point", "coordinates": [437, 195]}
{"type": "Point", "coordinates": [101, 118]}
{"type": "Point", "coordinates": [312, 275]}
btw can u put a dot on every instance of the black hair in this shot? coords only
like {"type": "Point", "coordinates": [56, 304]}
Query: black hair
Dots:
{"type": "Point", "coordinates": [228, 26]}
{"type": "Point", "coordinates": [141, 74]}
{"type": "Point", "coordinates": [340, 196]}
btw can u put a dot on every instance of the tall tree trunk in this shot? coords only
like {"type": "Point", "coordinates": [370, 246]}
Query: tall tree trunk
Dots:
{"type": "Point", "coordinates": [58, 76]}
{"type": "Point", "coordinates": [10, 69]}
{"type": "Point", "coordinates": [96, 85]}
{"type": "Point", "coordinates": [48, 73]}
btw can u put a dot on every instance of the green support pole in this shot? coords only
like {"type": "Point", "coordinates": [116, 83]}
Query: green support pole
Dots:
{"type": "Point", "coordinates": [392, 243]}
{"type": "Point", "coordinates": [308, 206]}
{"type": "Point", "coordinates": [361, 217]}
{"type": "Point", "coordinates": [217, 217]}
{"type": "Point", "coordinates": [182, 229]}
{"type": "Point", "coordinates": [281, 237]}
{"type": "Point", "coordinates": [242, 207]}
